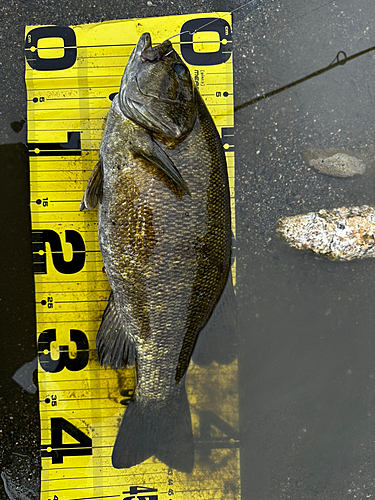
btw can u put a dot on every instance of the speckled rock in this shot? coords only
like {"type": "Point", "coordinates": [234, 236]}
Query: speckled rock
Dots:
{"type": "Point", "coordinates": [339, 165]}
{"type": "Point", "coordinates": [340, 233]}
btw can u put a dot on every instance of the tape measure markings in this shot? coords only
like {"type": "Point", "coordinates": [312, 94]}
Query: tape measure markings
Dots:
{"type": "Point", "coordinates": [63, 315]}
{"type": "Point", "coordinates": [156, 41]}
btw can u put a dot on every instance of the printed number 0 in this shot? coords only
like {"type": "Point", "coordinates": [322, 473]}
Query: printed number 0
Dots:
{"type": "Point", "coordinates": [219, 26]}
{"type": "Point", "coordinates": [51, 64]}
{"type": "Point", "coordinates": [69, 58]}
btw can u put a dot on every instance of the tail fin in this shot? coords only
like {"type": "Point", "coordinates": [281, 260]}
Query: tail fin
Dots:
{"type": "Point", "coordinates": [160, 428]}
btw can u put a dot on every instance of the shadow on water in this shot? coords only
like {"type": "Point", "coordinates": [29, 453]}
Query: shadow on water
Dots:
{"type": "Point", "coordinates": [19, 418]}
{"type": "Point", "coordinates": [340, 59]}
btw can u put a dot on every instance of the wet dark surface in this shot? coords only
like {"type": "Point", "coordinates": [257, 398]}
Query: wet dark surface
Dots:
{"type": "Point", "coordinates": [306, 324]}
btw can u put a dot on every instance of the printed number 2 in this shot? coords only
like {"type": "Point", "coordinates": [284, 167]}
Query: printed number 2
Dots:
{"type": "Point", "coordinates": [41, 237]}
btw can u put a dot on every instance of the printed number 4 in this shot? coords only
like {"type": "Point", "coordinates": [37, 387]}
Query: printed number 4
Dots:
{"type": "Point", "coordinates": [138, 493]}
{"type": "Point", "coordinates": [57, 450]}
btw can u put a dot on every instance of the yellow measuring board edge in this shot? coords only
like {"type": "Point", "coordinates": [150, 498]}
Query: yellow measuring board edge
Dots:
{"type": "Point", "coordinates": [71, 75]}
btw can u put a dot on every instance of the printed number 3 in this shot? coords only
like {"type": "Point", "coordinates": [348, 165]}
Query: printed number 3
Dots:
{"type": "Point", "coordinates": [64, 361]}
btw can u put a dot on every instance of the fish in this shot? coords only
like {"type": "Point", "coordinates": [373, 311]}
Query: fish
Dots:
{"type": "Point", "coordinates": [164, 230]}
{"type": "Point", "coordinates": [342, 234]}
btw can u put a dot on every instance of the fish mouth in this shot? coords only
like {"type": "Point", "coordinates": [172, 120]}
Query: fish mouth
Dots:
{"type": "Point", "coordinates": [155, 54]}
{"type": "Point", "coordinates": [158, 53]}
{"type": "Point", "coordinates": [144, 43]}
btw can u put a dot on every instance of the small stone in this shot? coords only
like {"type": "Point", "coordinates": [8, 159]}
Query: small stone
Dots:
{"type": "Point", "coordinates": [339, 165]}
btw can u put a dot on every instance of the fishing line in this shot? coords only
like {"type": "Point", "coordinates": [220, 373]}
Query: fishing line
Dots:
{"type": "Point", "coordinates": [340, 59]}
{"type": "Point", "coordinates": [282, 26]}
{"type": "Point", "coordinates": [191, 33]}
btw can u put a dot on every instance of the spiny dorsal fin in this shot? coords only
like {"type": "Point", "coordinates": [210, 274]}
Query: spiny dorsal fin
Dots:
{"type": "Point", "coordinates": [114, 346]}
{"type": "Point", "coordinates": [94, 189]}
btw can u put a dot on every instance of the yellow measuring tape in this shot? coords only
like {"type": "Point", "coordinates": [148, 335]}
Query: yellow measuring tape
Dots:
{"type": "Point", "coordinates": [72, 74]}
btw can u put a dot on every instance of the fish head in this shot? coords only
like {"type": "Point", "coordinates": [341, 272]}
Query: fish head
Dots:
{"type": "Point", "coordinates": [157, 91]}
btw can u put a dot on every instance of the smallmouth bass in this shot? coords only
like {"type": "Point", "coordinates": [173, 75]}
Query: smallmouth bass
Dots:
{"type": "Point", "coordinates": [165, 237]}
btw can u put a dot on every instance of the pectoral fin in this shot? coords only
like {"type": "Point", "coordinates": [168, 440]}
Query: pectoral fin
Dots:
{"type": "Point", "coordinates": [94, 189]}
{"type": "Point", "coordinates": [150, 149]}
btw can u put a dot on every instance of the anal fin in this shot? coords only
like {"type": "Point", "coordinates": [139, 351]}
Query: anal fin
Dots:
{"type": "Point", "coordinates": [114, 346]}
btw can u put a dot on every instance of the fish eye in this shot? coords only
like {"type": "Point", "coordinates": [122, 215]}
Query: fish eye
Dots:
{"type": "Point", "coordinates": [179, 68]}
